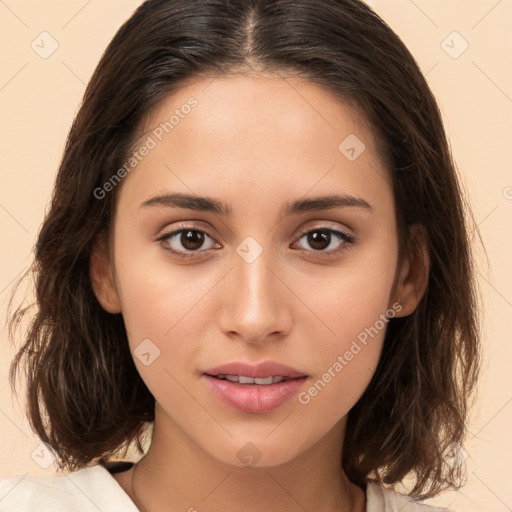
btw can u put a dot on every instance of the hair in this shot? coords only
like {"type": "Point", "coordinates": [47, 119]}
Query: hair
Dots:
{"type": "Point", "coordinates": [85, 398]}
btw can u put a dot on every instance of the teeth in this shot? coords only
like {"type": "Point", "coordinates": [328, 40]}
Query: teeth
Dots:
{"type": "Point", "coordinates": [249, 380]}
{"type": "Point", "coordinates": [242, 379]}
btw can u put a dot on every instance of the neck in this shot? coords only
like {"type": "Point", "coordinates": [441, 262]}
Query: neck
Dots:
{"type": "Point", "coordinates": [181, 476]}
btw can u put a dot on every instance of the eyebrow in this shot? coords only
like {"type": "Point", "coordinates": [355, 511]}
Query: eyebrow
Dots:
{"type": "Point", "coordinates": [207, 204]}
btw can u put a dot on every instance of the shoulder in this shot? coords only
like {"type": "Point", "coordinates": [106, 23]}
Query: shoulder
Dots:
{"type": "Point", "coordinates": [88, 489]}
{"type": "Point", "coordinates": [381, 499]}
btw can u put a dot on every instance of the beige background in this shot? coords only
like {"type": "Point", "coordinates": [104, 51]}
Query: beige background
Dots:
{"type": "Point", "coordinates": [39, 97]}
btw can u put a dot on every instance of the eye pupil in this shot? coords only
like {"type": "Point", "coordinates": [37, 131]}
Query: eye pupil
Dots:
{"type": "Point", "coordinates": [317, 239]}
{"type": "Point", "coordinates": [192, 239]}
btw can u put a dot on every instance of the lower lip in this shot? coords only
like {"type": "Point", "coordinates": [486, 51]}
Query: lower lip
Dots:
{"type": "Point", "coordinates": [253, 397]}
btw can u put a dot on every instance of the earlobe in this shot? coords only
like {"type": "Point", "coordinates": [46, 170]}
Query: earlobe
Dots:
{"type": "Point", "coordinates": [102, 279]}
{"type": "Point", "coordinates": [414, 271]}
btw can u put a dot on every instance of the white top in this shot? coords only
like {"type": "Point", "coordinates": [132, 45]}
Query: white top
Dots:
{"type": "Point", "coordinates": [94, 488]}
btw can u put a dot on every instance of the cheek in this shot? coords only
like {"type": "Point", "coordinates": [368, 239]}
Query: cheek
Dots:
{"type": "Point", "coordinates": [353, 304]}
{"type": "Point", "coordinates": [346, 360]}
{"type": "Point", "coordinates": [161, 307]}
{"type": "Point", "coordinates": [163, 311]}
{"type": "Point", "coordinates": [154, 293]}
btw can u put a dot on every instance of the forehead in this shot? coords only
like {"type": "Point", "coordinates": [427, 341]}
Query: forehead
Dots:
{"type": "Point", "coordinates": [249, 133]}
{"type": "Point", "coordinates": [259, 103]}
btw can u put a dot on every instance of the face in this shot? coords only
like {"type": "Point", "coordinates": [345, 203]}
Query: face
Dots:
{"type": "Point", "coordinates": [277, 276]}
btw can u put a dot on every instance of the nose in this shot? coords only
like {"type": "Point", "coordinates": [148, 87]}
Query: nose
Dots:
{"type": "Point", "coordinates": [256, 302]}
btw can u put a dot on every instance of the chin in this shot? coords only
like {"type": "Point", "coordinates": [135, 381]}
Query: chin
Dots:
{"type": "Point", "coordinates": [254, 452]}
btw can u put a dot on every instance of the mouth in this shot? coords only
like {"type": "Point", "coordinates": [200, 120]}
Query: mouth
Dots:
{"type": "Point", "coordinates": [254, 388]}
{"type": "Point", "coordinates": [260, 381]}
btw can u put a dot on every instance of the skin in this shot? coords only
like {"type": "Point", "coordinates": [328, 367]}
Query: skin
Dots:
{"type": "Point", "coordinates": [255, 142]}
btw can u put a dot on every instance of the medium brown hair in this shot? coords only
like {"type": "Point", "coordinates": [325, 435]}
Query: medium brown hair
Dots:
{"type": "Point", "coordinates": [85, 397]}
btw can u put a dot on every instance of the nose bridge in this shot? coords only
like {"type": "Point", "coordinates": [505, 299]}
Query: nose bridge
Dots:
{"type": "Point", "coordinates": [254, 306]}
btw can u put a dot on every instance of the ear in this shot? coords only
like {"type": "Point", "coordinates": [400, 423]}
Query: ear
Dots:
{"type": "Point", "coordinates": [102, 277]}
{"type": "Point", "coordinates": [413, 272]}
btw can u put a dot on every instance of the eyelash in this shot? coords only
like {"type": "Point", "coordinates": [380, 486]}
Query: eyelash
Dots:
{"type": "Point", "coordinates": [341, 235]}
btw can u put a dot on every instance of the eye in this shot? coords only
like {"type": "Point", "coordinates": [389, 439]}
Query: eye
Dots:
{"type": "Point", "coordinates": [185, 240]}
{"type": "Point", "coordinates": [322, 238]}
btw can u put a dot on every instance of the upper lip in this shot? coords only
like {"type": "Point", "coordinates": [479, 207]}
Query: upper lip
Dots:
{"type": "Point", "coordinates": [261, 370]}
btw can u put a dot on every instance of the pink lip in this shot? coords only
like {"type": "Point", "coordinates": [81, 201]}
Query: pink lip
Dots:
{"type": "Point", "coordinates": [255, 398]}
{"type": "Point", "coordinates": [264, 369]}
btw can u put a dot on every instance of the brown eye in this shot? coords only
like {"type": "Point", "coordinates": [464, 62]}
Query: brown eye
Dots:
{"type": "Point", "coordinates": [191, 239]}
{"type": "Point", "coordinates": [326, 240]}
{"type": "Point", "coordinates": [186, 241]}
{"type": "Point", "coordinates": [319, 239]}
